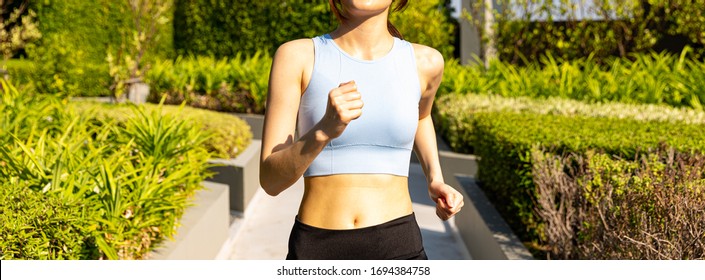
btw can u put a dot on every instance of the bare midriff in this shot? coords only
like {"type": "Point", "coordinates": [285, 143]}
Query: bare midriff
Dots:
{"type": "Point", "coordinates": [350, 201]}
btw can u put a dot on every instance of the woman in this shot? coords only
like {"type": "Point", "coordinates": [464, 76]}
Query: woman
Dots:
{"type": "Point", "coordinates": [363, 99]}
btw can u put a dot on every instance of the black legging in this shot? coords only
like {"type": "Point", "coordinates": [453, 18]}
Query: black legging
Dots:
{"type": "Point", "coordinates": [398, 239]}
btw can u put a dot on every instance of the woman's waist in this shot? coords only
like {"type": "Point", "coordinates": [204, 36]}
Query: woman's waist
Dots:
{"type": "Point", "coordinates": [349, 201]}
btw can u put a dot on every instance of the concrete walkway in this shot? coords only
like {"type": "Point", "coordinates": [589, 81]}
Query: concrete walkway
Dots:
{"type": "Point", "coordinates": [264, 231]}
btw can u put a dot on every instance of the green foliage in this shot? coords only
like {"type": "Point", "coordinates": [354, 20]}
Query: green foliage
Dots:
{"type": "Point", "coordinates": [238, 84]}
{"type": "Point", "coordinates": [454, 113]}
{"type": "Point", "coordinates": [57, 230]}
{"type": "Point", "coordinates": [526, 29]}
{"type": "Point", "coordinates": [427, 22]}
{"type": "Point", "coordinates": [228, 135]}
{"type": "Point", "coordinates": [505, 151]}
{"type": "Point", "coordinates": [225, 28]}
{"type": "Point", "coordinates": [642, 78]}
{"type": "Point", "coordinates": [113, 191]}
{"type": "Point", "coordinates": [64, 70]}
{"type": "Point", "coordinates": [21, 71]}
{"type": "Point", "coordinates": [77, 36]}
{"type": "Point", "coordinates": [149, 17]}
{"type": "Point", "coordinates": [682, 17]}
{"type": "Point", "coordinates": [596, 206]}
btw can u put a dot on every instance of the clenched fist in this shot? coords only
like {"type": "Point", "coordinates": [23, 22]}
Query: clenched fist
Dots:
{"type": "Point", "coordinates": [344, 105]}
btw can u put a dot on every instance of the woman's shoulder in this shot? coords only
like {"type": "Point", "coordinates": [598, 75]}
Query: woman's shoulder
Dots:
{"type": "Point", "coordinates": [428, 60]}
{"type": "Point", "coordinates": [295, 49]}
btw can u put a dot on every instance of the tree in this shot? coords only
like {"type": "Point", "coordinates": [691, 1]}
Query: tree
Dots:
{"type": "Point", "coordinates": [128, 67]}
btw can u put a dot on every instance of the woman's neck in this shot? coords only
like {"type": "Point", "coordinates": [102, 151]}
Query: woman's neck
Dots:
{"type": "Point", "coordinates": [364, 38]}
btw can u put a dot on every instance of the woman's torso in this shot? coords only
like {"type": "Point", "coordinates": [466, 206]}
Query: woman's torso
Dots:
{"type": "Point", "coordinates": [348, 201]}
{"type": "Point", "coordinates": [361, 178]}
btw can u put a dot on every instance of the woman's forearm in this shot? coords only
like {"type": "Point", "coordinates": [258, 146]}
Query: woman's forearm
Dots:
{"type": "Point", "coordinates": [284, 167]}
{"type": "Point", "coordinates": [426, 150]}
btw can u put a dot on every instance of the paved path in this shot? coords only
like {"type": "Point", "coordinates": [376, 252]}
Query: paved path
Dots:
{"type": "Point", "coordinates": [264, 233]}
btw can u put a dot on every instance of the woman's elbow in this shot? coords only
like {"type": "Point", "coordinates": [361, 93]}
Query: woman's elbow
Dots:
{"type": "Point", "coordinates": [271, 192]}
{"type": "Point", "coordinates": [268, 186]}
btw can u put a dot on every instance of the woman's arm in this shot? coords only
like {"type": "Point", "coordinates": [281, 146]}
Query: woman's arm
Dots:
{"type": "Point", "coordinates": [283, 160]}
{"type": "Point", "coordinates": [448, 200]}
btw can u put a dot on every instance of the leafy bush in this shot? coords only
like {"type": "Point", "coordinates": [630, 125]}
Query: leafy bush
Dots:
{"type": "Point", "coordinates": [76, 38]}
{"type": "Point", "coordinates": [595, 206]}
{"type": "Point", "coordinates": [229, 135]}
{"type": "Point", "coordinates": [682, 18]}
{"type": "Point", "coordinates": [20, 71]}
{"type": "Point", "coordinates": [503, 141]}
{"type": "Point", "coordinates": [111, 191]}
{"type": "Point", "coordinates": [224, 28]}
{"type": "Point", "coordinates": [57, 230]}
{"type": "Point", "coordinates": [427, 22]}
{"type": "Point", "coordinates": [453, 113]}
{"type": "Point", "coordinates": [238, 84]}
{"type": "Point", "coordinates": [648, 78]}
{"type": "Point", "coordinates": [62, 69]}
{"type": "Point", "coordinates": [526, 29]}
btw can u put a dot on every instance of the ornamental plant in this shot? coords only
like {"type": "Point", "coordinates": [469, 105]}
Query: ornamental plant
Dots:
{"type": "Point", "coordinates": [74, 187]}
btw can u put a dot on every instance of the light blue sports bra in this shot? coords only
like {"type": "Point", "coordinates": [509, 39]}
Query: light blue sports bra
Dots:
{"type": "Point", "coordinates": [381, 140]}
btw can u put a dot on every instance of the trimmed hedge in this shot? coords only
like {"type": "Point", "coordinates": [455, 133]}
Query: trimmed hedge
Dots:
{"type": "Point", "coordinates": [76, 38]}
{"type": "Point", "coordinates": [453, 113]}
{"type": "Point", "coordinates": [224, 28]}
{"type": "Point", "coordinates": [229, 135]}
{"type": "Point", "coordinates": [503, 141]}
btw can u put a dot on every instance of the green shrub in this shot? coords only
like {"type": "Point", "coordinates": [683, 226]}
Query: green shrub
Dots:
{"type": "Point", "coordinates": [59, 229]}
{"type": "Point", "coordinates": [238, 84]}
{"type": "Point", "coordinates": [647, 78]}
{"type": "Point", "coordinates": [427, 22]}
{"type": "Point", "coordinates": [503, 141]}
{"type": "Point", "coordinates": [62, 69]}
{"type": "Point", "coordinates": [21, 71]}
{"type": "Point", "coordinates": [526, 29]}
{"type": "Point", "coordinates": [453, 113]}
{"type": "Point", "coordinates": [120, 188]}
{"type": "Point", "coordinates": [229, 135]}
{"type": "Point", "coordinates": [76, 38]}
{"type": "Point", "coordinates": [224, 28]}
{"type": "Point", "coordinates": [595, 206]}
{"type": "Point", "coordinates": [682, 17]}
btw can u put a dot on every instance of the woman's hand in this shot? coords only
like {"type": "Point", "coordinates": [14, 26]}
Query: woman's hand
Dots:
{"type": "Point", "coordinates": [344, 105]}
{"type": "Point", "coordinates": [448, 200]}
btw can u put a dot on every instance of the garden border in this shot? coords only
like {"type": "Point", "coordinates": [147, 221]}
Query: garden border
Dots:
{"type": "Point", "coordinates": [240, 174]}
{"type": "Point", "coordinates": [203, 230]}
{"type": "Point", "coordinates": [483, 230]}
{"type": "Point", "coordinates": [255, 121]}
